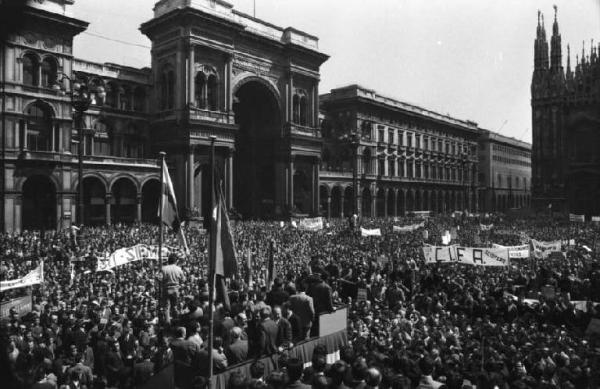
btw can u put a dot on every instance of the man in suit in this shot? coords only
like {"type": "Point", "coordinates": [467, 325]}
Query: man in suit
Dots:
{"type": "Point", "coordinates": [267, 333]}
{"type": "Point", "coordinates": [277, 296]}
{"type": "Point", "coordinates": [294, 371]}
{"type": "Point", "coordinates": [321, 293]}
{"type": "Point", "coordinates": [294, 321]}
{"type": "Point", "coordinates": [284, 328]}
{"type": "Point", "coordinates": [142, 371]}
{"type": "Point", "coordinates": [185, 357]}
{"type": "Point", "coordinates": [82, 371]}
{"type": "Point", "coordinates": [302, 305]}
{"type": "Point", "coordinates": [427, 382]}
{"type": "Point", "coordinates": [237, 351]}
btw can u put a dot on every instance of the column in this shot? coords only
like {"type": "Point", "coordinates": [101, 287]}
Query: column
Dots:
{"type": "Point", "coordinates": [291, 183]}
{"type": "Point", "coordinates": [191, 74]}
{"type": "Point", "coordinates": [190, 179]}
{"type": "Point", "coordinates": [290, 98]}
{"type": "Point", "coordinates": [107, 199]}
{"type": "Point", "coordinates": [403, 194]}
{"type": "Point", "coordinates": [229, 162]}
{"type": "Point", "coordinates": [395, 194]}
{"type": "Point", "coordinates": [199, 192]}
{"type": "Point", "coordinates": [138, 203]}
{"type": "Point", "coordinates": [374, 201]}
{"type": "Point", "coordinates": [385, 203]}
{"type": "Point", "coordinates": [228, 87]}
{"type": "Point", "coordinates": [316, 193]}
{"type": "Point", "coordinates": [342, 200]}
{"type": "Point", "coordinates": [328, 206]}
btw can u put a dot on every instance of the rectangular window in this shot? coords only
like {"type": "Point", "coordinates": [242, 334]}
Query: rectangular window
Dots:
{"type": "Point", "coordinates": [391, 136]}
{"type": "Point", "coordinates": [381, 135]}
{"type": "Point", "coordinates": [409, 140]}
{"type": "Point", "coordinates": [401, 138]}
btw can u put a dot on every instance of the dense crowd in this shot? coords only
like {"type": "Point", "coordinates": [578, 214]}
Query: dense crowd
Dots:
{"type": "Point", "coordinates": [420, 325]}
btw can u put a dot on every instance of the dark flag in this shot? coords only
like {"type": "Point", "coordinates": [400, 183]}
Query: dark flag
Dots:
{"type": "Point", "coordinates": [169, 213]}
{"type": "Point", "coordinates": [225, 263]}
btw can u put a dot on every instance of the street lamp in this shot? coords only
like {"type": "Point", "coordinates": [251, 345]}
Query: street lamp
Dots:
{"type": "Point", "coordinates": [81, 98]}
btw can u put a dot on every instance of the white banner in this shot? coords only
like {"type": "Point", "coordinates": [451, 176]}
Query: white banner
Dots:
{"type": "Point", "coordinates": [467, 255]}
{"type": "Point", "coordinates": [367, 232]}
{"type": "Point", "coordinates": [34, 277]}
{"type": "Point", "coordinates": [543, 249]}
{"type": "Point", "coordinates": [576, 218]}
{"type": "Point", "coordinates": [311, 224]}
{"type": "Point", "coordinates": [127, 255]}
{"type": "Point", "coordinates": [515, 252]}
{"type": "Point", "coordinates": [411, 228]}
{"type": "Point", "coordinates": [446, 238]}
{"type": "Point", "coordinates": [596, 219]}
{"type": "Point", "coordinates": [485, 227]}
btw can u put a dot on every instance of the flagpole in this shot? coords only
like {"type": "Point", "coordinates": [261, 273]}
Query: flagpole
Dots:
{"type": "Point", "coordinates": [161, 158]}
{"type": "Point", "coordinates": [211, 260]}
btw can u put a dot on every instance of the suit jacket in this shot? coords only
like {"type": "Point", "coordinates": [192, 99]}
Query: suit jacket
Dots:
{"type": "Point", "coordinates": [302, 305]}
{"type": "Point", "coordinates": [322, 296]}
{"type": "Point", "coordinates": [85, 374]}
{"type": "Point", "coordinates": [220, 362]}
{"type": "Point", "coordinates": [267, 337]}
{"type": "Point", "coordinates": [296, 328]}
{"type": "Point", "coordinates": [237, 352]}
{"type": "Point", "coordinates": [142, 372]}
{"type": "Point", "coordinates": [284, 332]}
{"type": "Point", "coordinates": [185, 357]}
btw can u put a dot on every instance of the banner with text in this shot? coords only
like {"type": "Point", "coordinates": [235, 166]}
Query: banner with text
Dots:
{"type": "Point", "coordinates": [576, 218]}
{"type": "Point", "coordinates": [34, 277]}
{"type": "Point", "coordinates": [515, 252]}
{"type": "Point", "coordinates": [21, 306]}
{"type": "Point", "coordinates": [411, 228]}
{"type": "Point", "coordinates": [486, 227]}
{"type": "Point", "coordinates": [370, 232]}
{"type": "Point", "coordinates": [467, 255]}
{"type": "Point", "coordinates": [127, 255]}
{"type": "Point", "coordinates": [544, 249]}
{"type": "Point", "coordinates": [311, 224]}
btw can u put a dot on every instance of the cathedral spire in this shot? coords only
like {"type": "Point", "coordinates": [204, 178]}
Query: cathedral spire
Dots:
{"type": "Point", "coordinates": [540, 57]}
{"type": "Point", "coordinates": [555, 45]}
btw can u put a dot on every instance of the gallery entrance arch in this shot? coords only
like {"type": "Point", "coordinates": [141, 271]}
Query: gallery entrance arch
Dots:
{"type": "Point", "coordinates": [39, 203]}
{"type": "Point", "coordinates": [258, 116]}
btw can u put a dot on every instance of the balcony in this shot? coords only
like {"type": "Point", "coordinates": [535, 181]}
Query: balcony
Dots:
{"type": "Point", "coordinates": [205, 115]}
{"type": "Point", "coordinates": [293, 129]}
{"type": "Point", "coordinates": [66, 157]}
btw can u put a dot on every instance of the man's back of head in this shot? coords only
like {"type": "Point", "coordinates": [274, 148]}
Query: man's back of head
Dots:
{"type": "Point", "coordinates": [294, 369]}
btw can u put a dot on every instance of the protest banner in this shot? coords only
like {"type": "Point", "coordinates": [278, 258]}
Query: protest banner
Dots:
{"type": "Point", "coordinates": [410, 228]}
{"type": "Point", "coordinates": [596, 219]}
{"type": "Point", "coordinates": [542, 250]}
{"type": "Point", "coordinates": [370, 232]}
{"type": "Point", "coordinates": [576, 218]}
{"type": "Point", "coordinates": [311, 224]}
{"type": "Point", "coordinates": [466, 255]}
{"type": "Point", "coordinates": [361, 295]}
{"type": "Point", "coordinates": [21, 306]}
{"type": "Point", "coordinates": [131, 254]}
{"type": "Point", "coordinates": [486, 227]}
{"type": "Point", "coordinates": [515, 252]}
{"type": "Point", "coordinates": [34, 277]}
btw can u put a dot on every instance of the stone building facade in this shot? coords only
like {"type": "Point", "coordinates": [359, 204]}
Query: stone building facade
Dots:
{"type": "Point", "coordinates": [407, 158]}
{"type": "Point", "coordinates": [565, 109]}
{"type": "Point", "coordinates": [504, 172]}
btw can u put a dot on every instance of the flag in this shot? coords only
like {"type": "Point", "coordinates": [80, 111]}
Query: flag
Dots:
{"type": "Point", "coordinates": [169, 214]}
{"type": "Point", "coordinates": [223, 250]}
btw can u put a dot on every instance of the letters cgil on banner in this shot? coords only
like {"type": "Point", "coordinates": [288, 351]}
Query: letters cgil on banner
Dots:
{"type": "Point", "coordinates": [372, 232]}
{"type": "Point", "coordinates": [467, 255]}
{"type": "Point", "coordinates": [411, 228]}
{"type": "Point", "coordinates": [544, 249]}
{"type": "Point", "coordinates": [127, 255]}
{"type": "Point", "coordinates": [34, 277]}
{"type": "Point", "coordinates": [515, 252]}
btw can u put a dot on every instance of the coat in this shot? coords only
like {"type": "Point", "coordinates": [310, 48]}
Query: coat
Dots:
{"type": "Point", "coordinates": [267, 337]}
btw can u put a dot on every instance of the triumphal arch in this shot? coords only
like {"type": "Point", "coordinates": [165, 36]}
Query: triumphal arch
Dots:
{"type": "Point", "coordinates": [252, 85]}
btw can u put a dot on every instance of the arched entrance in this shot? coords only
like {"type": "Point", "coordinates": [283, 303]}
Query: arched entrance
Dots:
{"type": "Point", "coordinates": [366, 202]}
{"type": "Point", "coordinates": [401, 202]}
{"type": "Point", "coordinates": [336, 201]}
{"type": "Point", "coordinates": [258, 115]}
{"type": "Point", "coordinates": [348, 201]}
{"type": "Point", "coordinates": [390, 203]}
{"type": "Point", "coordinates": [150, 200]}
{"type": "Point", "coordinates": [123, 201]}
{"type": "Point", "coordinates": [323, 194]}
{"type": "Point", "coordinates": [94, 197]}
{"type": "Point", "coordinates": [39, 203]}
{"type": "Point", "coordinates": [410, 201]}
{"type": "Point", "coordinates": [381, 202]}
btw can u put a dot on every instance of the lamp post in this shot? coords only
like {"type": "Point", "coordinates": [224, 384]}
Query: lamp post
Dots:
{"type": "Point", "coordinates": [81, 98]}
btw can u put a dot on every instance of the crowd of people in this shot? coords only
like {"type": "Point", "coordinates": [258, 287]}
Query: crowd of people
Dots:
{"type": "Point", "coordinates": [419, 324]}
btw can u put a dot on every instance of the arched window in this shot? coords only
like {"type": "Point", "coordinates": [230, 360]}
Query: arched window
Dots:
{"type": "Point", "coordinates": [132, 143]}
{"type": "Point", "coordinates": [49, 69]}
{"type": "Point", "coordinates": [30, 70]}
{"type": "Point", "coordinates": [303, 110]}
{"type": "Point", "coordinates": [200, 85]}
{"type": "Point", "coordinates": [102, 139]}
{"type": "Point", "coordinates": [39, 127]}
{"type": "Point", "coordinates": [139, 99]}
{"type": "Point", "coordinates": [94, 85]}
{"type": "Point", "coordinates": [296, 108]}
{"type": "Point", "coordinates": [124, 98]}
{"type": "Point", "coordinates": [112, 94]}
{"type": "Point", "coordinates": [366, 161]}
{"type": "Point", "coordinates": [211, 93]}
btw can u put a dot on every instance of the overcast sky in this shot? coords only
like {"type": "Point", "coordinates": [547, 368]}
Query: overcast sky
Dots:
{"type": "Point", "coordinates": [472, 59]}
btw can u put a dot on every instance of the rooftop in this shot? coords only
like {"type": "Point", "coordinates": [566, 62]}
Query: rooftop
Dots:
{"type": "Point", "coordinates": [508, 140]}
{"type": "Point", "coordinates": [111, 70]}
{"type": "Point", "coordinates": [357, 91]}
